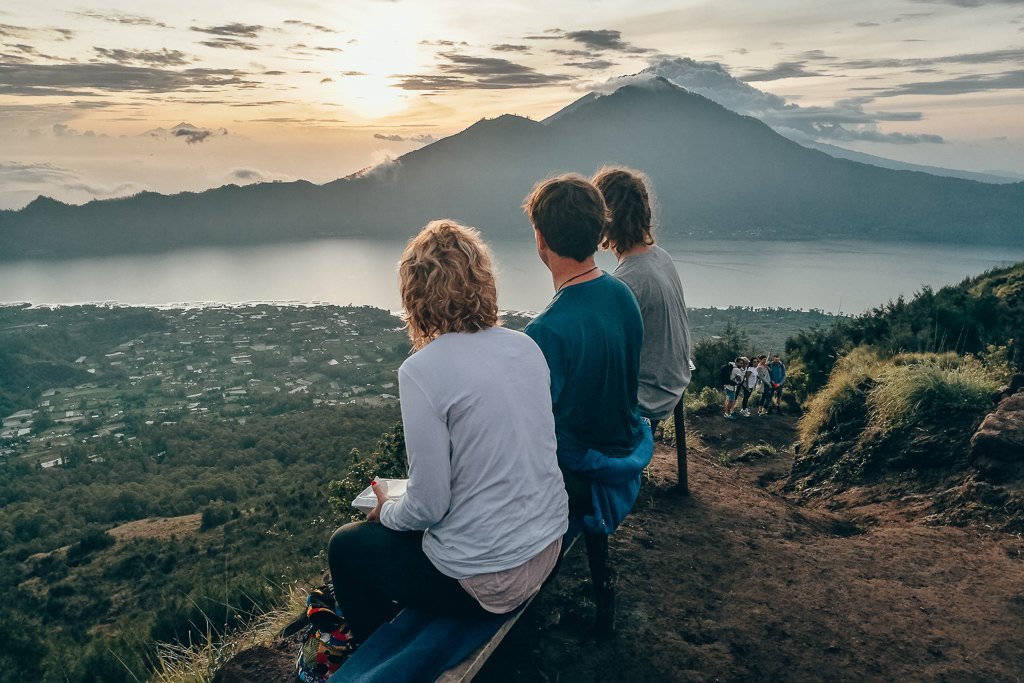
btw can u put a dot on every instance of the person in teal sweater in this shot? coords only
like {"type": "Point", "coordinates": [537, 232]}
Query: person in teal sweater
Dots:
{"type": "Point", "coordinates": [591, 335]}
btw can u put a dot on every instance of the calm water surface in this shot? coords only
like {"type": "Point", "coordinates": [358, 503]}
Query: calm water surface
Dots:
{"type": "Point", "coordinates": [848, 277]}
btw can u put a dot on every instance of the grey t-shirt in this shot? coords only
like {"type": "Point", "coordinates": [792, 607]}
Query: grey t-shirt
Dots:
{"type": "Point", "coordinates": [665, 355]}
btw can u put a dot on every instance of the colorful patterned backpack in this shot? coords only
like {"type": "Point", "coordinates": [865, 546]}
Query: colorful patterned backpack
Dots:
{"type": "Point", "coordinates": [326, 640]}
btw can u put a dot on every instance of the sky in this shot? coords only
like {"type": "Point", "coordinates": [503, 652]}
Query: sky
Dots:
{"type": "Point", "coordinates": [106, 100]}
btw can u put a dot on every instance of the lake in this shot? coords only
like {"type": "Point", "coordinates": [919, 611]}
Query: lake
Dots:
{"type": "Point", "coordinates": [834, 276]}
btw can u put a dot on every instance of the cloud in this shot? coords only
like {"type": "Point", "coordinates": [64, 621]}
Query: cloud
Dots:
{"type": "Point", "coordinates": [422, 138]}
{"type": "Point", "coordinates": [231, 30]}
{"type": "Point", "coordinates": [12, 31]}
{"type": "Point", "coordinates": [1009, 80]}
{"type": "Point", "coordinates": [75, 79]}
{"type": "Point", "coordinates": [62, 130]}
{"type": "Point", "coordinates": [385, 168]}
{"type": "Point", "coordinates": [327, 80]}
{"type": "Point", "coordinates": [595, 40]}
{"type": "Point", "coordinates": [187, 132]}
{"type": "Point", "coordinates": [778, 72]}
{"type": "Point", "coordinates": [603, 39]}
{"type": "Point", "coordinates": [162, 57]}
{"type": "Point", "coordinates": [1011, 55]}
{"type": "Point", "coordinates": [844, 120]}
{"type": "Point", "coordinates": [971, 4]}
{"type": "Point", "coordinates": [118, 18]}
{"type": "Point", "coordinates": [464, 72]}
{"type": "Point", "coordinates": [29, 51]}
{"type": "Point", "coordinates": [444, 43]}
{"type": "Point", "coordinates": [245, 176]}
{"type": "Point", "coordinates": [594, 65]}
{"type": "Point", "coordinates": [506, 47]}
{"type": "Point", "coordinates": [22, 182]}
{"type": "Point", "coordinates": [306, 24]}
{"type": "Point", "coordinates": [311, 50]}
{"type": "Point", "coordinates": [229, 44]}
{"type": "Point", "coordinates": [293, 120]}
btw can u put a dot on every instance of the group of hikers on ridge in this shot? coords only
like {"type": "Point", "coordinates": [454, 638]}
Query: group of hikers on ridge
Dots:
{"type": "Point", "coordinates": [740, 378]}
{"type": "Point", "coordinates": [511, 437]}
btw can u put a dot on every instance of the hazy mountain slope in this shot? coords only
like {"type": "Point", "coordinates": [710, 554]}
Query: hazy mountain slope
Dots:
{"type": "Point", "coordinates": [883, 162]}
{"type": "Point", "coordinates": [717, 174]}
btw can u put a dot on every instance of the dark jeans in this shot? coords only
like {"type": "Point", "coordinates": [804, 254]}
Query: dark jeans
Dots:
{"type": "Point", "coordinates": [746, 395]}
{"type": "Point", "coordinates": [377, 572]}
{"type": "Point", "coordinates": [766, 397]}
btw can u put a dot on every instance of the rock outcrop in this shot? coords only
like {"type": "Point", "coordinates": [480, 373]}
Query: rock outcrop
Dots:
{"type": "Point", "coordinates": [997, 447]}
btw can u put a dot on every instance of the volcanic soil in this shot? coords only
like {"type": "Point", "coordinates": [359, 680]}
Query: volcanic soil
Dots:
{"type": "Point", "coordinates": [736, 582]}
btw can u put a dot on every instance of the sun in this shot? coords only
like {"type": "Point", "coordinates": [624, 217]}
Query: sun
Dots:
{"type": "Point", "coordinates": [386, 43]}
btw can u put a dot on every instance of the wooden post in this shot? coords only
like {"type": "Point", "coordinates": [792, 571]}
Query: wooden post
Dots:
{"type": "Point", "coordinates": [678, 415]}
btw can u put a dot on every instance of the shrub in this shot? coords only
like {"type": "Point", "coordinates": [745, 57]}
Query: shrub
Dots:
{"type": "Point", "coordinates": [214, 515]}
{"type": "Point", "coordinates": [388, 461]}
{"type": "Point", "coordinates": [750, 453]}
{"type": "Point", "coordinates": [707, 401]}
{"type": "Point", "coordinates": [841, 402]}
{"type": "Point", "coordinates": [909, 388]}
{"type": "Point", "coordinates": [92, 540]}
{"type": "Point", "coordinates": [711, 353]}
{"type": "Point", "coordinates": [928, 390]}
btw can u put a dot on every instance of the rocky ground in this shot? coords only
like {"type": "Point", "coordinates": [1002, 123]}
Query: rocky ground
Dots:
{"type": "Point", "coordinates": [737, 582]}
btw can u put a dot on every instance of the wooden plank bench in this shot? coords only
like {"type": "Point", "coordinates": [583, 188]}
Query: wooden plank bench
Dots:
{"type": "Point", "coordinates": [471, 665]}
{"type": "Point", "coordinates": [441, 644]}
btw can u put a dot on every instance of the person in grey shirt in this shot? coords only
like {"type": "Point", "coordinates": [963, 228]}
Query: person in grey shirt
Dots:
{"type": "Point", "coordinates": [648, 270]}
{"type": "Point", "coordinates": [481, 522]}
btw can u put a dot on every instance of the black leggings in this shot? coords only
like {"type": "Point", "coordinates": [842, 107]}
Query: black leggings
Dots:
{"type": "Point", "coordinates": [746, 395]}
{"type": "Point", "coordinates": [377, 572]}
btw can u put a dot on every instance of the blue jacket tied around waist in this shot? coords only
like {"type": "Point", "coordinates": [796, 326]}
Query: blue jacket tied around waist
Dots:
{"type": "Point", "coordinates": [614, 482]}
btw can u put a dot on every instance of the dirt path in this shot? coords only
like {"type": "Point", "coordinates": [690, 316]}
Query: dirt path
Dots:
{"type": "Point", "coordinates": [734, 583]}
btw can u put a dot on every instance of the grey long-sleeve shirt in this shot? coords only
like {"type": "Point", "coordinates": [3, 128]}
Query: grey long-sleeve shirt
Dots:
{"type": "Point", "coordinates": [483, 477]}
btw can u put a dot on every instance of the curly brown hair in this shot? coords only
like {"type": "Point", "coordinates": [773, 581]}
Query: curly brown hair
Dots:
{"type": "Point", "coordinates": [446, 278]}
{"type": "Point", "coordinates": [629, 203]}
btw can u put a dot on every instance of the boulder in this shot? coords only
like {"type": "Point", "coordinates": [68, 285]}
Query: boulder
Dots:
{"type": "Point", "coordinates": [997, 447]}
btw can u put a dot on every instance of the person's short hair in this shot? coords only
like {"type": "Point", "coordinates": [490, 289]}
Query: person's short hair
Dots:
{"type": "Point", "coordinates": [741, 359]}
{"type": "Point", "coordinates": [570, 214]}
{"type": "Point", "coordinates": [446, 278]}
{"type": "Point", "coordinates": [626, 192]}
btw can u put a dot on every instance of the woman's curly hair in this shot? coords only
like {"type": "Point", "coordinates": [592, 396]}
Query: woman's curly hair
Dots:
{"type": "Point", "coordinates": [629, 203]}
{"type": "Point", "coordinates": [446, 278]}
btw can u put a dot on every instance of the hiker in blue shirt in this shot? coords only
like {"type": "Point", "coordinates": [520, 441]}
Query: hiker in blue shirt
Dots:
{"type": "Point", "coordinates": [777, 372]}
{"type": "Point", "coordinates": [591, 335]}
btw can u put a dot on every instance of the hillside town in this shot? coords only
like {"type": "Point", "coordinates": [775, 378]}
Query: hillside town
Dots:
{"type": "Point", "coordinates": [221, 363]}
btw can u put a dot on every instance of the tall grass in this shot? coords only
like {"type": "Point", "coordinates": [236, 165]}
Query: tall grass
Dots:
{"type": "Point", "coordinates": [200, 661]}
{"type": "Point", "coordinates": [842, 399]}
{"type": "Point", "coordinates": [865, 390]}
{"type": "Point", "coordinates": [925, 392]}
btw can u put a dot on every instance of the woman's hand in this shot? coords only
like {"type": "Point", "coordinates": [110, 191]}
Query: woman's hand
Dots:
{"type": "Point", "coordinates": [382, 495]}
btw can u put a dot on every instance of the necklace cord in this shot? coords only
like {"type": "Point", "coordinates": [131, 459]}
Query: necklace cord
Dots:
{"type": "Point", "coordinates": [574, 277]}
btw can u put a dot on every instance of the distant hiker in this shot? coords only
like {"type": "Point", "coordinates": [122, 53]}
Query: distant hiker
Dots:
{"type": "Point", "coordinates": [480, 525]}
{"type": "Point", "coordinates": [777, 372]}
{"type": "Point", "coordinates": [747, 385]}
{"type": "Point", "coordinates": [731, 378]}
{"type": "Point", "coordinates": [649, 272]}
{"type": "Point", "coordinates": [591, 335]}
{"type": "Point", "coordinates": [764, 380]}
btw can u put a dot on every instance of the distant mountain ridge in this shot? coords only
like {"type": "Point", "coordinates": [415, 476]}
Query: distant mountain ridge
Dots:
{"type": "Point", "coordinates": [716, 174]}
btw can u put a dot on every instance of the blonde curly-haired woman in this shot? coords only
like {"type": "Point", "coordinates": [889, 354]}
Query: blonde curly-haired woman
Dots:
{"type": "Point", "coordinates": [479, 528]}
